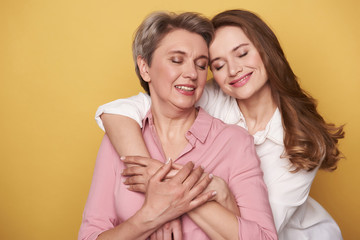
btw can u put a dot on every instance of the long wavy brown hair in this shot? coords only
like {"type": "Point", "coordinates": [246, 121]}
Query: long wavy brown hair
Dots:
{"type": "Point", "coordinates": [308, 139]}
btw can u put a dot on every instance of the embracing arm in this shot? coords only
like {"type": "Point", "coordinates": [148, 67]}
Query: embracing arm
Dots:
{"type": "Point", "coordinates": [164, 200]}
{"type": "Point", "coordinates": [122, 120]}
{"type": "Point", "coordinates": [125, 135]}
{"type": "Point", "coordinates": [115, 117]}
{"type": "Point", "coordinates": [218, 218]}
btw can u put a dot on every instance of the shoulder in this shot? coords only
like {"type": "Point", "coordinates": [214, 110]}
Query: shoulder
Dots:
{"type": "Point", "coordinates": [218, 131]}
{"type": "Point", "coordinates": [237, 148]}
{"type": "Point", "coordinates": [230, 130]}
{"type": "Point", "coordinates": [231, 137]}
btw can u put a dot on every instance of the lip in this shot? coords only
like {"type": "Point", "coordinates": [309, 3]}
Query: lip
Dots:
{"type": "Point", "coordinates": [241, 81]}
{"type": "Point", "coordinates": [185, 91]}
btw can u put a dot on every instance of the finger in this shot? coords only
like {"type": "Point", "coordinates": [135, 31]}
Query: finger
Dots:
{"type": "Point", "coordinates": [137, 160]}
{"type": "Point", "coordinates": [130, 171]}
{"type": "Point", "coordinates": [162, 172]}
{"type": "Point", "coordinates": [128, 165]}
{"type": "Point", "coordinates": [201, 199]}
{"type": "Point", "coordinates": [200, 186]}
{"type": "Point", "coordinates": [137, 188]}
{"type": "Point", "coordinates": [159, 234]}
{"type": "Point", "coordinates": [153, 236]}
{"type": "Point", "coordinates": [137, 179]}
{"type": "Point", "coordinates": [194, 177]}
{"type": "Point", "coordinates": [183, 172]}
{"type": "Point", "coordinates": [176, 230]}
{"type": "Point", "coordinates": [177, 166]}
{"type": "Point", "coordinates": [167, 231]}
{"type": "Point", "coordinates": [172, 173]}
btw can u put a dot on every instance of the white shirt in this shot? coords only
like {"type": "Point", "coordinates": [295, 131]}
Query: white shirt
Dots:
{"type": "Point", "coordinates": [297, 216]}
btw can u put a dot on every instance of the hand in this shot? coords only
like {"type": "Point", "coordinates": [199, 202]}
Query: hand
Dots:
{"type": "Point", "coordinates": [140, 169]}
{"type": "Point", "coordinates": [170, 231]}
{"type": "Point", "coordinates": [224, 195]}
{"type": "Point", "coordinates": [167, 200]}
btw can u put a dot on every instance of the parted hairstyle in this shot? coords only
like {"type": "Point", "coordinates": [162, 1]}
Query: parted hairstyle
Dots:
{"type": "Point", "coordinates": [157, 25]}
{"type": "Point", "coordinates": [309, 141]}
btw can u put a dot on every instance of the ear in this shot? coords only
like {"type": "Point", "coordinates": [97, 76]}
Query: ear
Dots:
{"type": "Point", "coordinates": [143, 68]}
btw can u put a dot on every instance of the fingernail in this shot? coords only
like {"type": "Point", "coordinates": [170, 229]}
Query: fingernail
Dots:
{"type": "Point", "coordinates": [211, 176]}
{"type": "Point", "coordinates": [168, 161]}
{"type": "Point", "coordinates": [122, 158]}
{"type": "Point", "coordinates": [213, 193]}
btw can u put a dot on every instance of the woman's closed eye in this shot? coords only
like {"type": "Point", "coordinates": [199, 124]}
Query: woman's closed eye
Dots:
{"type": "Point", "coordinates": [242, 54]}
{"type": "Point", "coordinates": [176, 60]}
{"type": "Point", "coordinates": [217, 66]}
{"type": "Point", "coordinates": [202, 63]}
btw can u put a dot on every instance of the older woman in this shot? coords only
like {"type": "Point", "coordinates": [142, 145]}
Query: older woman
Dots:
{"type": "Point", "coordinates": [171, 55]}
{"type": "Point", "coordinates": [256, 89]}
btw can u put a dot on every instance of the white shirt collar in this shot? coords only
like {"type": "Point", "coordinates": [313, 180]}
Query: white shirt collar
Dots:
{"type": "Point", "coordinates": [273, 131]}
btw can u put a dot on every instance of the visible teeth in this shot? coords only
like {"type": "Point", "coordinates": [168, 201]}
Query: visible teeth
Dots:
{"type": "Point", "coordinates": [242, 79]}
{"type": "Point", "coordinates": [185, 88]}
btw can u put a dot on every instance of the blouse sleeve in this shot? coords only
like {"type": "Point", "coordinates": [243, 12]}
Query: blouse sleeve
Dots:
{"type": "Point", "coordinates": [247, 184]}
{"type": "Point", "coordinates": [99, 213]}
{"type": "Point", "coordinates": [134, 107]}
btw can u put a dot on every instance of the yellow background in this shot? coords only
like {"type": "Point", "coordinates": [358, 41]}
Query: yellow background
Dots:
{"type": "Point", "coordinates": [60, 60]}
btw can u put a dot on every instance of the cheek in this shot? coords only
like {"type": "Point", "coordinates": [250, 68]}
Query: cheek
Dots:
{"type": "Point", "coordinates": [164, 74]}
{"type": "Point", "coordinates": [257, 61]}
{"type": "Point", "coordinates": [202, 76]}
{"type": "Point", "coordinates": [220, 77]}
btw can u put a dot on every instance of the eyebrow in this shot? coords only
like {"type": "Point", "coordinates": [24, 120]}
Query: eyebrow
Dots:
{"type": "Point", "coordinates": [233, 50]}
{"type": "Point", "coordinates": [184, 53]}
{"type": "Point", "coordinates": [239, 46]}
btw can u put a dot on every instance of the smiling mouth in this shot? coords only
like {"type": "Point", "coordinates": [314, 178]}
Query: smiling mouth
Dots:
{"type": "Point", "coordinates": [185, 88]}
{"type": "Point", "coordinates": [247, 76]}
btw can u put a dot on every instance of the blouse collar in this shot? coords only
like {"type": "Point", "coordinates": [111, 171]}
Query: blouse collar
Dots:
{"type": "Point", "coordinates": [273, 131]}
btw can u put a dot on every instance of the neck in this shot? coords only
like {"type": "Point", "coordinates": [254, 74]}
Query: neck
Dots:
{"type": "Point", "coordinates": [258, 109]}
{"type": "Point", "coordinates": [171, 127]}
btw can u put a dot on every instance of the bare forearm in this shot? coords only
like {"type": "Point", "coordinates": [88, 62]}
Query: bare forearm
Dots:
{"type": "Point", "coordinates": [133, 228]}
{"type": "Point", "coordinates": [216, 221]}
{"type": "Point", "coordinates": [125, 135]}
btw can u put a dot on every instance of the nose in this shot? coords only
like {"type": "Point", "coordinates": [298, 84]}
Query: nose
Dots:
{"type": "Point", "coordinates": [234, 68]}
{"type": "Point", "coordinates": [190, 71]}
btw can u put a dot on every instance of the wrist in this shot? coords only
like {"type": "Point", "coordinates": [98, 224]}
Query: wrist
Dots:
{"type": "Point", "coordinates": [144, 219]}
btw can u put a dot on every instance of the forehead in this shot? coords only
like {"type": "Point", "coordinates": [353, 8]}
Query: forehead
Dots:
{"type": "Point", "coordinates": [183, 40]}
{"type": "Point", "coordinates": [226, 38]}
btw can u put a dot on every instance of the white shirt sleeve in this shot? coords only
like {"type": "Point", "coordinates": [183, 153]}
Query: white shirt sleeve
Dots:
{"type": "Point", "coordinates": [134, 107]}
